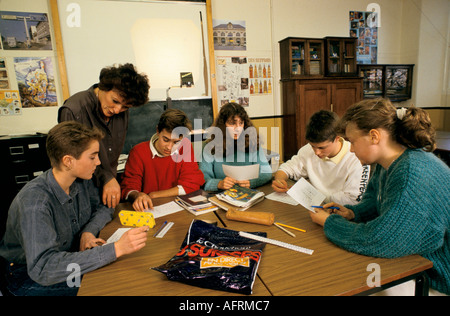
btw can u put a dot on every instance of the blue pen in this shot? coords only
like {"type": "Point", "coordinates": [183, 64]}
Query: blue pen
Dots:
{"type": "Point", "coordinates": [162, 226]}
{"type": "Point", "coordinates": [331, 207]}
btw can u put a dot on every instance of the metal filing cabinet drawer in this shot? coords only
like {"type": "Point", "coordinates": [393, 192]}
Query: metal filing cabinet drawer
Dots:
{"type": "Point", "coordinates": [22, 159]}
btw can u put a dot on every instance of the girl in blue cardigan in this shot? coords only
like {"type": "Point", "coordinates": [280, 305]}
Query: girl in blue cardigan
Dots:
{"type": "Point", "coordinates": [405, 209]}
{"type": "Point", "coordinates": [233, 141]}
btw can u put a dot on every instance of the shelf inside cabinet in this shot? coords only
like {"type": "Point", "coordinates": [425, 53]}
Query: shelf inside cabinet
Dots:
{"type": "Point", "coordinates": [301, 58]}
{"type": "Point", "coordinates": [341, 56]}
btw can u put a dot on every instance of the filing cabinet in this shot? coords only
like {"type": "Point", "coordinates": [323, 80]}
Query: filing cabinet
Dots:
{"type": "Point", "coordinates": [23, 158]}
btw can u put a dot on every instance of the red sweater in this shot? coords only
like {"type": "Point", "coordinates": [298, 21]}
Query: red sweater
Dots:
{"type": "Point", "coordinates": [146, 174]}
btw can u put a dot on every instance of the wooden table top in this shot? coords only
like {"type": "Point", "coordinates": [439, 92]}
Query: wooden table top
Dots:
{"type": "Point", "coordinates": [132, 274]}
{"type": "Point", "coordinates": [330, 270]}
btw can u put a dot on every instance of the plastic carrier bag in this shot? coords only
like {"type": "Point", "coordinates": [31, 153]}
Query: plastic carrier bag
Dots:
{"type": "Point", "coordinates": [215, 258]}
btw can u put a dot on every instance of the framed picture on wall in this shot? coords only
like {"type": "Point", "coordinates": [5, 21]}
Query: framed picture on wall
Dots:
{"type": "Point", "coordinates": [25, 31]}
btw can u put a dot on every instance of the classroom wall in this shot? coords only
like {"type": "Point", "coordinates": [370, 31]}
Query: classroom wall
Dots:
{"type": "Point", "coordinates": [412, 31]}
{"type": "Point", "coordinates": [32, 120]}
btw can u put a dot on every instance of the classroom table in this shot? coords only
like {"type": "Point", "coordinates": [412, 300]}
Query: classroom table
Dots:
{"type": "Point", "coordinates": [330, 270]}
{"type": "Point", "coordinates": [131, 275]}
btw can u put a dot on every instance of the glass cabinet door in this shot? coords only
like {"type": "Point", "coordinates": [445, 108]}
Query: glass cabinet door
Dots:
{"type": "Point", "coordinates": [372, 82]}
{"type": "Point", "coordinates": [298, 58]}
{"type": "Point", "coordinates": [349, 55]}
{"type": "Point", "coordinates": [334, 57]}
{"type": "Point", "coordinates": [315, 58]}
{"type": "Point", "coordinates": [398, 82]}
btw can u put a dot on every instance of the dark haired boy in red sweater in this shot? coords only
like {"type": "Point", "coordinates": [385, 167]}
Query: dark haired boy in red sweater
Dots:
{"type": "Point", "coordinates": [164, 166]}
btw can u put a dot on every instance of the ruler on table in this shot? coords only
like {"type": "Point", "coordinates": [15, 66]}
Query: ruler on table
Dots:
{"type": "Point", "coordinates": [276, 243]}
{"type": "Point", "coordinates": [164, 230]}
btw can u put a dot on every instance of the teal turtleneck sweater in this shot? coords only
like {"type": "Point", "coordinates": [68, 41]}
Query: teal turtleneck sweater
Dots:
{"type": "Point", "coordinates": [213, 170]}
{"type": "Point", "coordinates": [405, 210]}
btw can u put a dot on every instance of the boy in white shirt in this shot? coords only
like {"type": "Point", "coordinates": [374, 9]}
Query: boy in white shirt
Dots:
{"type": "Point", "coordinates": [326, 161]}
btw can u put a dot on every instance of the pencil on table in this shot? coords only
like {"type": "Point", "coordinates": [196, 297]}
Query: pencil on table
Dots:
{"type": "Point", "coordinates": [285, 230]}
{"type": "Point", "coordinates": [299, 229]}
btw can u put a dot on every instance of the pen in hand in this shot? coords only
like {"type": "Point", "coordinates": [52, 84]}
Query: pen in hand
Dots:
{"type": "Point", "coordinates": [331, 207]}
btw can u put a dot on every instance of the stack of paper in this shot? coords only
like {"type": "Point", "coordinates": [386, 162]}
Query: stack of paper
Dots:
{"type": "Point", "coordinates": [196, 202]}
{"type": "Point", "coordinates": [241, 197]}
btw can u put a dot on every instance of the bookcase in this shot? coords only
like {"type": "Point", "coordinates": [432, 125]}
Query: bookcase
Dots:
{"type": "Point", "coordinates": [393, 81]}
{"type": "Point", "coordinates": [303, 57]}
{"type": "Point", "coordinates": [316, 74]}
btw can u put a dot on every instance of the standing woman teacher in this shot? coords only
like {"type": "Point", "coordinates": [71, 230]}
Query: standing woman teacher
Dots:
{"type": "Point", "coordinates": [105, 106]}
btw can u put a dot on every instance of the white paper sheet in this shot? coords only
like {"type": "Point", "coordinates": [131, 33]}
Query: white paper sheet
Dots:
{"type": "Point", "coordinates": [165, 209]}
{"type": "Point", "coordinates": [282, 197]}
{"type": "Point", "coordinates": [305, 194]}
{"type": "Point", "coordinates": [117, 234]}
{"type": "Point", "coordinates": [241, 172]}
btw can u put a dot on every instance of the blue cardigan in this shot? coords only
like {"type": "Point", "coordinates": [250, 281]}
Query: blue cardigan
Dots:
{"type": "Point", "coordinates": [405, 210]}
{"type": "Point", "coordinates": [213, 171]}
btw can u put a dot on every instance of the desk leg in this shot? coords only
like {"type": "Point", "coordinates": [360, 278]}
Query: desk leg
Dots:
{"type": "Point", "coordinates": [422, 285]}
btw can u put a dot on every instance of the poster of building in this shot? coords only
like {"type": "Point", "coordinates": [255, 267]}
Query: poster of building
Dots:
{"type": "Point", "coordinates": [25, 31]}
{"type": "Point", "coordinates": [229, 35]}
{"type": "Point", "coordinates": [36, 80]}
{"type": "Point", "coordinates": [363, 26]}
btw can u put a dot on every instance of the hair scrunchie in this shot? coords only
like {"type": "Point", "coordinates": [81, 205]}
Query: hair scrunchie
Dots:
{"type": "Point", "coordinates": [401, 113]}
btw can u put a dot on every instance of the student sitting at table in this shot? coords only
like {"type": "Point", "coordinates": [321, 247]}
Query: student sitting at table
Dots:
{"type": "Point", "coordinates": [406, 208]}
{"type": "Point", "coordinates": [54, 220]}
{"type": "Point", "coordinates": [234, 141]}
{"type": "Point", "coordinates": [327, 162]}
{"type": "Point", "coordinates": [164, 166]}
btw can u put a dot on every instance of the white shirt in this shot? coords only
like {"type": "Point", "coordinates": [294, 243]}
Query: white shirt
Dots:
{"type": "Point", "coordinates": [342, 178]}
{"type": "Point", "coordinates": [155, 152]}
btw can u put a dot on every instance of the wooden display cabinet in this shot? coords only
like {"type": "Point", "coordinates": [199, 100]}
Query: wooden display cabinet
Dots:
{"type": "Point", "coordinates": [302, 98]}
{"type": "Point", "coordinates": [340, 60]}
{"type": "Point", "coordinates": [302, 57]}
{"type": "Point", "coordinates": [393, 81]}
{"type": "Point", "coordinates": [307, 87]}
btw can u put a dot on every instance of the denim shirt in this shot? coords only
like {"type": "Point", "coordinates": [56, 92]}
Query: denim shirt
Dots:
{"type": "Point", "coordinates": [44, 228]}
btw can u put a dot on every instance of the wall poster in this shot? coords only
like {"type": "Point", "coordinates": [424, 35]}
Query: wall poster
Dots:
{"type": "Point", "coordinates": [232, 80]}
{"type": "Point", "coordinates": [363, 25]}
{"type": "Point", "coordinates": [36, 81]}
{"type": "Point", "coordinates": [10, 103]}
{"type": "Point", "coordinates": [238, 78]}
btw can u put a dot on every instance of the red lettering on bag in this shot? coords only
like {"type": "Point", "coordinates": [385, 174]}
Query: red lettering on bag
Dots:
{"type": "Point", "coordinates": [193, 250]}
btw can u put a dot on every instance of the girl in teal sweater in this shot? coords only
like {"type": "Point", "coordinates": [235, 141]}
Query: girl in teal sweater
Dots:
{"type": "Point", "coordinates": [233, 141]}
{"type": "Point", "coordinates": [405, 209]}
